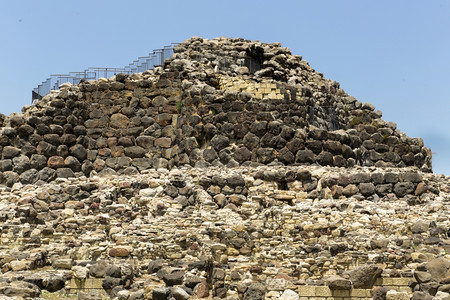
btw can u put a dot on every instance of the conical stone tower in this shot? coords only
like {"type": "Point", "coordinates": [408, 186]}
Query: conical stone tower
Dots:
{"type": "Point", "coordinates": [233, 171]}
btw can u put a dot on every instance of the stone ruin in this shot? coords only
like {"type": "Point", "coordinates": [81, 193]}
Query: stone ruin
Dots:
{"type": "Point", "coordinates": [233, 171]}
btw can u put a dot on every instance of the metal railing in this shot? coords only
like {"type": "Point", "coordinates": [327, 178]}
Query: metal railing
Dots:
{"type": "Point", "coordinates": [143, 63]}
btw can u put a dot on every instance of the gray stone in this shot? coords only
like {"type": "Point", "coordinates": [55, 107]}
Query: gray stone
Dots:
{"type": "Point", "coordinates": [21, 289]}
{"type": "Point", "coordinates": [79, 152]}
{"type": "Point", "coordinates": [251, 141]}
{"type": "Point", "coordinates": [418, 295]}
{"type": "Point", "coordinates": [366, 188]}
{"type": "Point", "coordinates": [10, 177]}
{"type": "Point", "coordinates": [53, 283]}
{"type": "Point", "coordinates": [47, 174]}
{"type": "Point", "coordinates": [255, 291]}
{"type": "Point", "coordinates": [175, 278]}
{"type": "Point", "coordinates": [29, 176]}
{"type": "Point", "coordinates": [111, 282]}
{"type": "Point", "coordinates": [305, 156]}
{"type": "Point", "coordinates": [265, 155]}
{"type": "Point", "coordinates": [411, 177]}
{"type": "Point", "coordinates": [422, 277]}
{"type": "Point", "coordinates": [444, 288]}
{"type": "Point", "coordinates": [379, 293]}
{"type": "Point", "coordinates": [325, 158]}
{"type": "Point", "coordinates": [430, 287]}
{"type": "Point", "coordinates": [72, 163]}
{"type": "Point", "coordinates": [420, 226]}
{"type": "Point", "coordinates": [242, 154]}
{"type": "Point", "coordinates": [65, 173]}
{"type": "Point", "coordinates": [98, 270]}
{"type": "Point", "coordinates": [46, 149]}
{"type": "Point", "coordinates": [218, 142]}
{"type": "Point", "coordinates": [210, 155]}
{"type": "Point", "coordinates": [135, 151]}
{"type": "Point", "coordinates": [21, 163]}
{"type": "Point", "coordinates": [163, 142]}
{"type": "Point", "coordinates": [142, 163]}
{"type": "Point", "coordinates": [359, 178]}
{"type": "Point", "coordinates": [338, 283]}
{"type": "Point", "coordinates": [403, 188]}
{"type": "Point", "coordinates": [6, 165]}
{"type": "Point", "coordinates": [364, 277]}
{"type": "Point", "coordinates": [383, 189]}
{"type": "Point", "coordinates": [113, 271]}
{"type": "Point", "coordinates": [38, 162]}
{"type": "Point", "coordinates": [10, 152]}
{"type": "Point", "coordinates": [160, 293]}
{"type": "Point", "coordinates": [179, 294]}
{"type": "Point", "coordinates": [439, 268]}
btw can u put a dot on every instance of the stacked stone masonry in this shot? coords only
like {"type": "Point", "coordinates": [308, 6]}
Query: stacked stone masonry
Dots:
{"type": "Point", "coordinates": [234, 228]}
{"type": "Point", "coordinates": [235, 171]}
{"type": "Point", "coordinates": [190, 113]}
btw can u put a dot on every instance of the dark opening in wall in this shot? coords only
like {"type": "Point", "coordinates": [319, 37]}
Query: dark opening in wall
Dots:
{"type": "Point", "coordinates": [282, 185]}
{"type": "Point", "coordinates": [252, 64]}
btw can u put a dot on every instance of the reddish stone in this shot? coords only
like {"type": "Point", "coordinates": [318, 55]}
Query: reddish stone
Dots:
{"type": "Point", "coordinates": [163, 142]}
{"type": "Point", "coordinates": [117, 151]}
{"type": "Point", "coordinates": [202, 290]}
{"type": "Point", "coordinates": [104, 152]}
{"type": "Point", "coordinates": [56, 162]}
{"type": "Point", "coordinates": [119, 252]}
{"type": "Point", "coordinates": [420, 189]}
{"type": "Point", "coordinates": [119, 121]}
{"type": "Point", "coordinates": [56, 205]}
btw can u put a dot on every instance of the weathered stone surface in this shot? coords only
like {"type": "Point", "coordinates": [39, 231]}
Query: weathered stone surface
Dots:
{"type": "Point", "coordinates": [420, 227]}
{"type": "Point", "coordinates": [394, 295]}
{"type": "Point", "coordinates": [289, 295]}
{"type": "Point", "coordinates": [163, 142]}
{"type": "Point", "coordinates": [365, 276]}
{"type": "Point", "coordinates": [422, 276]}
{"type": "Point", "coordinates": [379, 293]}
{"type": "Point", "coordinates": [10, 152]}
{"type": "Point", "coordinates": [179, 294]}
{"type": "Point", "coordinates": [20, 289]}
{"type": "Point", "coordinates": [255, 291]}
{"type": "Point", "coordinates": [174, 278]}
{"type": "Point", "coordinates": [160, 293]}
{"type": "Point", "coordinates": [119, 121]}
{"type": "Point", "coordinates": [191, 181]}
{"type": "Point", "coordinates": [338, 283]}
{"type": "Point", "coordinates": [119, 252]}
{"type": "Point", "coordinates": [439, 268]}
{"type": "Point", "coordinates": [98, 269]}
{"type": "Point", "coordinates": [421, 296]}
{"type": "Point", "coordinates": [403, 188]}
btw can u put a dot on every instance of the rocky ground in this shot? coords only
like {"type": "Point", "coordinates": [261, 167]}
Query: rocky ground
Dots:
{"type": "Point", "coordinates": [240, 233]}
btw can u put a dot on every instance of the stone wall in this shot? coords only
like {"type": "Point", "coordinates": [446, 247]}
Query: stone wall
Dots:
{"type": "Point", "coordinates": [260, 90]}
{"type": "Point", "coordinates": [400, 285]}
{"type": "Point", "coordinates": [212, 178]}
{"type": "Point", "coordinates": [190, 114]}
{"type": "Point", "coordinates": [235, 232]}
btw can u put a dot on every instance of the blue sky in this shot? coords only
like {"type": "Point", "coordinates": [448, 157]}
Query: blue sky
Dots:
{"type": "Point", "coordinates": [394, 54]}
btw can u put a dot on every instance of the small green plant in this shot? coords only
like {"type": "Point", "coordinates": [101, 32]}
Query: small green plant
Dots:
{"type": "Point", "coordinates": [356, 120]}
{"type": "Point", "coordinates": [179, 106]}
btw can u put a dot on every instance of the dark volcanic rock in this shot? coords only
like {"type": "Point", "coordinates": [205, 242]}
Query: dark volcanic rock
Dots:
{"type": "Point", "coordinates": [364, 277]}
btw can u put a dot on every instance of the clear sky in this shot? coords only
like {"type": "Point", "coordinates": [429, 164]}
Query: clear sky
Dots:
{"type": "Point", "coordinates": [394, 54]}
